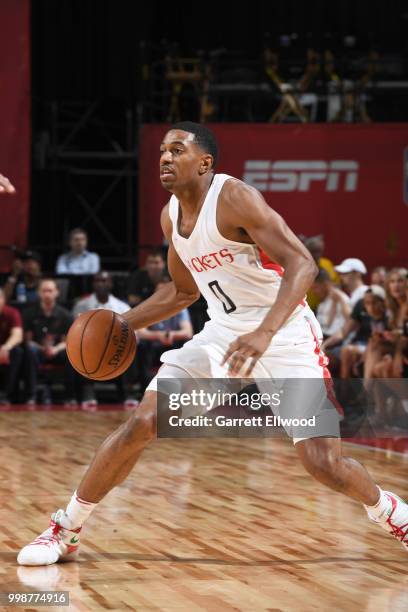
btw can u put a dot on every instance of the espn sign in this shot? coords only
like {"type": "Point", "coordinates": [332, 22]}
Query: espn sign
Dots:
{"type": "Point", "coordinates": [285, 175]}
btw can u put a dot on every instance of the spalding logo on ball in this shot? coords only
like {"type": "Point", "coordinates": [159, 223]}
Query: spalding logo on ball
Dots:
{"type": "Point", "coordinates": [101, 344]}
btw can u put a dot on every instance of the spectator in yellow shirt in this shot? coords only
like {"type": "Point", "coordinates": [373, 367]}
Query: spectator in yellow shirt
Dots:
{"type": "Point", "coordinates": [316, 246]}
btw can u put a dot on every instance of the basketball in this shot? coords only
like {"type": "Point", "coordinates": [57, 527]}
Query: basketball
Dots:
{"type": "Point", "coordinates": [101, 345]}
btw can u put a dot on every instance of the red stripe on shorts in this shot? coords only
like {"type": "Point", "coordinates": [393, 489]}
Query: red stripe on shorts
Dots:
{"type": "Point", "coordinates": [328, 381]}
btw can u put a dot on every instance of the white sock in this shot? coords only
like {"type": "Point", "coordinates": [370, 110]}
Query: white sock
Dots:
{"type": "Point", "coordinates": [77, 511]}
{"type": "Point", "coordinates": [382, 508]}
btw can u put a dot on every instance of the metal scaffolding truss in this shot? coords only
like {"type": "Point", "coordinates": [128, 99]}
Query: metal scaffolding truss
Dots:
{"type": "Point", "coordinates": [91, 146]}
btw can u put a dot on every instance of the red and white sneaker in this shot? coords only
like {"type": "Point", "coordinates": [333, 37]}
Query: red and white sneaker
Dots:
{"type": "Point", "coordinates": [57, 543]}
{"type": "Point", "coordinates": [396, 521]}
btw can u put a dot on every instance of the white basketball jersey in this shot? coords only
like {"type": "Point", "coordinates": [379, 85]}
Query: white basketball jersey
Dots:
{"type": "Point", "coordinates": [238, 280]}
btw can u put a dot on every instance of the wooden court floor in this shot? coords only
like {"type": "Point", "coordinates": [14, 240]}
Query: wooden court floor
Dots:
{"type": "Point", "coordinates": [200, 525]}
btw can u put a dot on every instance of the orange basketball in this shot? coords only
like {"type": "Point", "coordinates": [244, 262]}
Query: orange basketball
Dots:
{"type": "Point", "coordinates": [101, 344]}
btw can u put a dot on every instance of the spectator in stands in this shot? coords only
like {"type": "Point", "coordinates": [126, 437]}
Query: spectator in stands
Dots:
{"type": "Point", "coordinates": [207, 103]}
{"type": "Point", "coordinates": [307, 83]}
{"type": "Point", "coordinates": [316, 246]}
{"type": "Point", "coordinates": [289, 100]}
{"type": "Point", "coordinates": [78, 260]}
{"type": "Point", "coordinates": [385, 359]}
{"type": "Point", "coordinates": [11, 352]}
{"type": "Point", "coordinates": [397, 294]}
{"type": "Point", "coordinates": [351, 272]}
{"type": "Point", "coordinates": [378, 276]}
{"type": "Point", "coordinates": [166, 335]}
{"type": "Point", "coordinates": [46, 325]}
{"type": "Point", "coordinates": [22, 284]}
{"type": "Point", "coordinates": [143, 282]}
{"type": "Point", "coordinates": [352, 108]}
{"type": "Point", "coordinates": [396, 288]}
{"type": "Point", "coordinates": [334, 305]}
{"type": "Point", "coordinates": [182, 74]}
{"type": "Point", "coordinates": [367, 317]}
{"type": "Point", "coordinates": [333, 84]}
{"type": "Point", "coordinates": [103, 298]}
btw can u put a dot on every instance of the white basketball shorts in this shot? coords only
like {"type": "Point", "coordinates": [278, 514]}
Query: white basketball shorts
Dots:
{"type": "Point", "coordinates": [294, 353]}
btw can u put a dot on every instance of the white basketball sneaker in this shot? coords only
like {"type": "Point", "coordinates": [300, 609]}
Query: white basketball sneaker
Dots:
{"type": "Point", "coordinates": [396, 520]}
{"type": "Point", "coordinates": [57, 543]}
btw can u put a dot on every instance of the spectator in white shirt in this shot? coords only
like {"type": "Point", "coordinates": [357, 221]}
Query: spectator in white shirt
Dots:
{"type": "Point", "coordinates": [351, 272]}
{"type": "Point", "coordinates": [78, 260]}
{"type": "Point", "coordinates": [334, 306]}
{"type": "Point", "coordinates": [101, 297]}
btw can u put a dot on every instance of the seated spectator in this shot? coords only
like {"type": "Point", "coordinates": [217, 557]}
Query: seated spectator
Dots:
{"type": "Point", "coordinates": [378, 276]}
{"type": "Point", "coordinates": [154, 340]}
{"type": "Point", "coordinates": [351, 272]}
{"type": "Point", "coordinates": [103, 298]}
{"type": "Point", "coordinates": [182, 74]}
{"type": "Point", "coordinates": [22, 284]}
{"type": "Point", "coordinates": [334, 305]}
{"type": "Point", "coordinates": [353, 109]}
{"type": "Point", "coordinates": [11, 352]}
{"type": "Point", "coordinates": [289, 100]}
{"type": "Point", "coordinates": [316, 246]}
{"type": "Point", "coordinates": [78, 260]}
{"type": "Point", "coordinates": [400, 363]}
{"type": "Point", "coordinates": [142, 283]}
{"type": "Point", "coordinates": [307, 83]}
{"type": "Point", "coordinates": [367, 317]}
{"type": "Point", "coordinates": [385, 359]}
{"type": "Point", "coordinates": [396, 285]}
{"type": "Point", "coordinates": [46, 325]}
{"type": "Point", "coordinates": [333, 84]}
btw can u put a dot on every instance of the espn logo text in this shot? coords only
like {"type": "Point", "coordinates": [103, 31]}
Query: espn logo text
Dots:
{"type": "Point", "coordinates": [285, 175]}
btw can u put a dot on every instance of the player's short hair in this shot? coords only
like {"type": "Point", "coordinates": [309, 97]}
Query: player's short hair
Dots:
{"type": "Point", "coordinates": [204, 138]}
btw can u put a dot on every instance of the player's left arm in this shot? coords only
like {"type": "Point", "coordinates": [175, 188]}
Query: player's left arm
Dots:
{"type": "Point", "coordinates": [269, 232]}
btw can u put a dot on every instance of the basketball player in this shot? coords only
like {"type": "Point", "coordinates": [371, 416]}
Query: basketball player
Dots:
{"type": "Point", "coordinates": [219, 230]}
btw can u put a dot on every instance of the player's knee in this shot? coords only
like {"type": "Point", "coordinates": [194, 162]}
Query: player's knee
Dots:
{"type": "Point", "coordinates": [323, 464]}
{"type": "Point", "coordinates": [140, 428]}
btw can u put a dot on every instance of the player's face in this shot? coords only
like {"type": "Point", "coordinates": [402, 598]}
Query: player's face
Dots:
{"type": "Point", "coordinates": [181, 160]}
